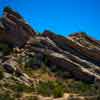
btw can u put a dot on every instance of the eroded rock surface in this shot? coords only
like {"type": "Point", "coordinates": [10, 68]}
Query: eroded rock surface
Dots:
{"type": "Point", "coordinates": [77, 55]}
{"type": "Point", "coordinates": [14, 29]}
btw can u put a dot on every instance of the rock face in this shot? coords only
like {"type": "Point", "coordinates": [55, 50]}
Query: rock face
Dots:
{"type": "Point", "coordinates": [13, 29]}
{"type": "Point", "coordinates": [76, 57]}
{"type": "Point", "coordinates": [78, 54]}
{"type": "Point", "coordinates": [78, 44]}
{"type": "Point", "coordinates": [74, 52]}
{"type": "Point", "coordinates": [89, 46]}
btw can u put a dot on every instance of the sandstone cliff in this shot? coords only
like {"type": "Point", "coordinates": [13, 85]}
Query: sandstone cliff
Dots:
{"type": "Point", "coordinates": [76, 57]}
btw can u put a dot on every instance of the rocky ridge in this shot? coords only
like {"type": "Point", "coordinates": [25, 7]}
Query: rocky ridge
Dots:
{"type": "Point", "coordinates": [78, 55]}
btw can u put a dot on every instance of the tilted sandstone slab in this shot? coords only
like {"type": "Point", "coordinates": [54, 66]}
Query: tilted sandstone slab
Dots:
{"type": "Point", "coordinates": [13, 29]}
{"type": "Point", "coordinates": [77, 71]}
{"type": "Point", "coordinates": [67, 44]}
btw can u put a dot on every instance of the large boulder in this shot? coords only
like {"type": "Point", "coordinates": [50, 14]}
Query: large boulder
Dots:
{"type": "Point", "coordinates": [13, 29]}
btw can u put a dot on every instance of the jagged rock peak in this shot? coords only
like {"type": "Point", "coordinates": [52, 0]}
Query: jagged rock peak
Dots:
{"type": "Point", "coordinates": [84, 37]}
{"type": "Point", "coordinates": [78, 34]}
{"type": "Point", "coordinates": [48, 33]}
{"type": "Point", "coordinates": [14, 29]}
{"type": "Point", "coordinates": [8, 10]}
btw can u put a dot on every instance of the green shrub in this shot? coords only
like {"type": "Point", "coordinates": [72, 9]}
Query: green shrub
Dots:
{"type": "Point", "coordinates": [81, 88]}
{"type": "Point", "coordinates": [58, 91]}
{"type": "Point", "coordinates": [44, 89]}
{"type": "Point", "coordinates": [23, 88]}
{"type": "Point", "coordinates": [50, 88]}
{"type": "Point", "coordinates": [4, 48]}
{"type": "Point", "coordinates": [20, 88]}
{"type": "Point", "coordinates": [6, 96]}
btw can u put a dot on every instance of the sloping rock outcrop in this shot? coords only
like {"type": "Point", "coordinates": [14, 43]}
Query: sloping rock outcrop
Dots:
{"type": "Point", "coordinates": [73, 44]}
{"type": "Point", "coordinates": [14, 29]}
{"type": "Point", "coordinates": [78, 55]}
{"type": "Point", "coordinates": [89, 46]}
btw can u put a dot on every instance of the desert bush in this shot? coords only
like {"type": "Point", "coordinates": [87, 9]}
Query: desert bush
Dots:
{"type": "Point", "coordinates": [50, 88]}
{"type": "Point", "coordinates": [81, 88]}
{"type": "Point", "coordinates": [44, 88]}
{"type": "Point", "coordinates": [22, 88]}
{"type": "Point", "coordinates": [4, 48]}
{"type": "Point", "coordinates": [58, 89]}
{"type": "Point", "coordinates": [6, 95]}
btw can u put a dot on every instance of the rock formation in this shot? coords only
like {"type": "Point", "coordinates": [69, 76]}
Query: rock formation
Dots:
{"type": "Point", "coordinates": [13, 29]}
{"type": "Point", "coordinates": [78, 54]}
